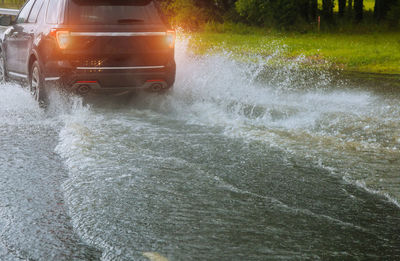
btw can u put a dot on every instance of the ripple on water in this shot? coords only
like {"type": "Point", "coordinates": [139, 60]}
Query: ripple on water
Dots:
{"type": "Point", "coordinates": [237, 157]}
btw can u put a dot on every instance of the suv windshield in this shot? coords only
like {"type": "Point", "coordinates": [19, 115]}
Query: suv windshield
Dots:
{"type": "Point", "coordinates": [111, 12]}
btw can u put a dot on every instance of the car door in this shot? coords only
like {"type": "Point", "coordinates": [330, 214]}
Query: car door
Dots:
{"type": "Point", "coordinates": [28, 35]}
{"type": "Point", "coordinates": [16, 42]}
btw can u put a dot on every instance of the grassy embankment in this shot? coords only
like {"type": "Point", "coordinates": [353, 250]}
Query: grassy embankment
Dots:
{"type": "Point", "coordinates": [366, 53]}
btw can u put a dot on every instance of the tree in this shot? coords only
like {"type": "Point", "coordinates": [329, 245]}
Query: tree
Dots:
{"type": "Point", "coordinates": [314, 9]}
{"type": "Point", "coordinates": [225, 5]}
{"type": "Point", "coordinates": [393, 15]}
{"type": "Point", "coordinates": [327, 10]}
{"type": "Point", "coordinates": [342, 7]}
{"type": "Point", "coordinates": [382, 7]}
{"type": "Point", "coordinates": [350, 7]}
{"type": "Point", "coordinates": [289, 12]}
{"type": "Point", "coordinates": [358, 10]}
{"type": "Point", "coordinates": [256, 12]}
{"type": "Point", "coordinates": [185, 13]}
{"type": "Point", "coordinates": [279, 13]}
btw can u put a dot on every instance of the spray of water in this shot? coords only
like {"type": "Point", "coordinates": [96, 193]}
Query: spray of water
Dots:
{"type": "Point", "coordinates": [354, 134]}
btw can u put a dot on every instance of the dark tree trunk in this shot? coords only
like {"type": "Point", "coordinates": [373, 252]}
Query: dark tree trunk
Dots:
{"type": "Point", "coordinates": [350, 7]}
{"type": "Point", "coordinates": [304, 8]}
{"type": "Point", "coordinates": [342, 7]}
{"type": "Point", "coordinates": [378, 10]}
{"type": "Point", "coordinates": [327, 10]}
{"type": "Point", "coordinates": [358, 10]}
{"type": "Point", "coordinates": [314, 9]}
{"type": "Point", "coordinates": [382, 7]}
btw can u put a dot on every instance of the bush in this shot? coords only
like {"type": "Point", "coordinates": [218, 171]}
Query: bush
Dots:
{"type": "Point", "coordinates": [282, 14]}
{"type": "Point", "coordinates": [256, 12]}
{"type": "Point", "coordinates": [233, 28]}
{"type": "Point", "coordinates": [393, 16]}
{"type": "Point", "coordinates": [185, 14]}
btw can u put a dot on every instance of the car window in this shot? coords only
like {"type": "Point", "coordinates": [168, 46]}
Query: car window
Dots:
{"type": "Point", "coordinates": [35, 11]}
{"type": "Point", "coordinates": [23, 14]}
{"type": "Point", "coordinates": [110, 12]}
{"type": "Point", "coordinates": [53, 11]}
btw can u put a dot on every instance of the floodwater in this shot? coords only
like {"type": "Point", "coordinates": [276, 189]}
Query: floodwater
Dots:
{"type": "Point", "coordinates": [238, 162]}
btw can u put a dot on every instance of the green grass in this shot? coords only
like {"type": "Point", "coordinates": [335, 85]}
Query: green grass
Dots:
{"type": "Point", "coordinates": [14, 4]}
{"type": "Point", "coordinates": [372, 53]}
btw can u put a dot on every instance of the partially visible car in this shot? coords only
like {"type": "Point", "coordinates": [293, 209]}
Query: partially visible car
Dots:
{"type": "Point", "coordinates": [85, 46]}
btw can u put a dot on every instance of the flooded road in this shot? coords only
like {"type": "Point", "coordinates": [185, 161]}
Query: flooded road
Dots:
{"type": "Point", "coordinates": [238, 162]}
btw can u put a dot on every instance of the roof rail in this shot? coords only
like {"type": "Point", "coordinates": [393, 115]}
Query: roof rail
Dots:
{"type": "Point", "coordinates": [6, 11]}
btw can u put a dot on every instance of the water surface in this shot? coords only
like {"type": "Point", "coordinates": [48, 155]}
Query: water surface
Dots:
{"type": "Point", "coordinates": [238, 162]}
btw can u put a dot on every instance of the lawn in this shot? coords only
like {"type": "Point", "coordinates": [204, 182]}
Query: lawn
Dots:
{"type": "Point", "coordinates": [372, 53]}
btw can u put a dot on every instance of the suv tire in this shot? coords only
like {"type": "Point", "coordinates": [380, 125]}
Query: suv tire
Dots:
{"type": "Point", "coordinates": [3, 73]}
{"type": "Point", "coordinates": [37, 86]}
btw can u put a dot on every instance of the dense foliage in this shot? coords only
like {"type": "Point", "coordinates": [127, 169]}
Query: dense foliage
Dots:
{"type": "Point", "coordinates": [284, 14]}
{"type": "Point", "coordinates": [280, 14]}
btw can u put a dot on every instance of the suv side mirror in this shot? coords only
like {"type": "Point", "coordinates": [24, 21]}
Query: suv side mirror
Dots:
{"type": "Point", "coordinates": [5, 20]}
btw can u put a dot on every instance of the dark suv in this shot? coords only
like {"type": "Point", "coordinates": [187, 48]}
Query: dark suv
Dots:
{"type": "Point", "coordinates": [89, 46]}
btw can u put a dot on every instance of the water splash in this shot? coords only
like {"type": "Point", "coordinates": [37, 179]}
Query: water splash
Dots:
{"type": "Point", "coordinates": [33, 219]}
{"type": "Point", "coordinates": [111, 152]}
{"type": "Point", "coordinates": [17, 107]}
{"type": "Point", "coordinates": [353, 133]}
{"type": "Point", "coordinates": [154, 256]}
{"type": "Point", "coordinates": [306, 111]}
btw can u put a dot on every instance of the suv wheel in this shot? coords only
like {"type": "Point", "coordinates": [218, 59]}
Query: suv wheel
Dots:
{"type": "Point", "coordinates": [36, 83]}
{"type": "Point", "coordinates": [3, 76]}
